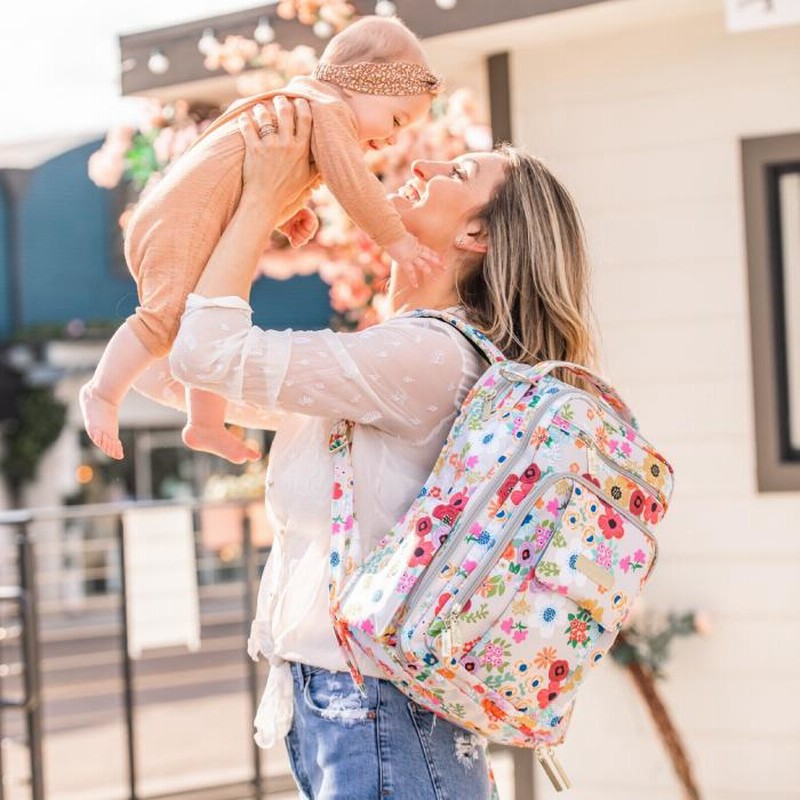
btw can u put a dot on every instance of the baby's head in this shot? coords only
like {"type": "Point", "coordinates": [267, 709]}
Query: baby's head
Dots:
{"type": "Point", "coordinates": [383, 75]}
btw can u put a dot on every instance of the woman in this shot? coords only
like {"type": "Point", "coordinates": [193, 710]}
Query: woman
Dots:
{"type": "Point", "coordinates": [514, 265]}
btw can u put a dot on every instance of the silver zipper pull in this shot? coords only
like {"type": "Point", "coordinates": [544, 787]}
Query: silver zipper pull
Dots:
{"type": "Point", "coordinates": [446, 639]}
{"type": "Point", "coordinates": [446, 636]}
{"type": "Point", "coordinates": [488, 405]}
{"type": "Point", "coordinates": [552, 768]}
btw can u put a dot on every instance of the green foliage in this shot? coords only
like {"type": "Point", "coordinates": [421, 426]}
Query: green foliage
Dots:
{"type": "Point", "coordinates": [41, 419]}
{"type": "Point", "coordinates": [141, 160]}
{"type": "Point", "coordinates": [649, 644]}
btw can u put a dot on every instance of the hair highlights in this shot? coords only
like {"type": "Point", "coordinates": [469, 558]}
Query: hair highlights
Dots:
{"type": "Point", "coordinates": [530, 292]}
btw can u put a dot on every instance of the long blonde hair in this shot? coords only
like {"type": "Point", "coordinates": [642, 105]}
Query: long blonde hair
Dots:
{"type": "Point", "coordinates": [530, 292]}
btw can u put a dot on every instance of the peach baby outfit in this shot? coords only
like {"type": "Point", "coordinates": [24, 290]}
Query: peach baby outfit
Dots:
{"type": "Point", "coordinates": [174, 230]}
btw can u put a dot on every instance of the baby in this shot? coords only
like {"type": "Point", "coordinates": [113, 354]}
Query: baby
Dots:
{"type": "Point", "coordinates": [372, 81]}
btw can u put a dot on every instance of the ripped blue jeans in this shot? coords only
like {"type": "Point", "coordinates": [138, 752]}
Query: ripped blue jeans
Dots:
{"type": "Point", "coordinates": [382, 746]}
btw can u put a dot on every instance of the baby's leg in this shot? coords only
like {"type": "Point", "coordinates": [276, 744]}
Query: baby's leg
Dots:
{"type": "Point", "coordinates": [205, 429]}
{"type": "Point", "coordinates": [123, 361]}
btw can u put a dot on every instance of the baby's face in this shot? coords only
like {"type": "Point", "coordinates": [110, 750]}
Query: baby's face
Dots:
{"type": "Point", "coordinates": [380, 117]}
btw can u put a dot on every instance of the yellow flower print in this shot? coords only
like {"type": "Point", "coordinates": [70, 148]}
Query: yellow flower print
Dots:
{"type": "Point", "coordinates": [520, 607]}
{"type": "Point", "coordinates": [655, 471]}
{"type": "Point", "coordinates": [614, 487]}
{"type": "Point", "coordinates": [593, 608]}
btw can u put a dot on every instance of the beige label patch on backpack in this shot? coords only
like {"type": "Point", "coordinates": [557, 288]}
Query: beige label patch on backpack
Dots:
{"type": "Point", "coordinates": [602, 577]}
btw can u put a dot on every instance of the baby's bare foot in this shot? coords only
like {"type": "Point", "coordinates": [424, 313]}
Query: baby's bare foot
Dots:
{"type": "Point", "coordinates": [100, 418]}
{"type": "Point", "coordinates": [220, 442]}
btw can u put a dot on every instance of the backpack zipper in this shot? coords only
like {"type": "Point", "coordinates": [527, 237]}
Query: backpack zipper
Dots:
{"type": "Point", "coordinates": [552, 767]}
{"type": "Point", "coordinates": [431, 571]}
{"type": "Point", "coordinates": [631, 476]}
{"type": "Point", "coordinates": [478, 576]}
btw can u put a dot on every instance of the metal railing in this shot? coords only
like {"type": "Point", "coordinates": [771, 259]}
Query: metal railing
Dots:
{"type": "Point", "coordinates": [73, 672]}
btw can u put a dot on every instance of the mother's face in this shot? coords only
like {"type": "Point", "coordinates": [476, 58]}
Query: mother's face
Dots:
{"type": "Point", "coordinates": [441, 196]}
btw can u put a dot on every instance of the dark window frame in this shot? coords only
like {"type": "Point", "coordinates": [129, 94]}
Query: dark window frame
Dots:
{"type": "Point", "coordinates": [764, 161]}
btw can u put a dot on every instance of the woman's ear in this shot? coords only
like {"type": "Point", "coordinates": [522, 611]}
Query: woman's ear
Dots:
{"type": "Point", "coordinates": [473, 240]}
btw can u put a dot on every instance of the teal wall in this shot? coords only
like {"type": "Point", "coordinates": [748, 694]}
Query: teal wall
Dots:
{"type": "Point", "coordinates": [69, 268]}
{"type": "Point", "coordinates": [5, 269]}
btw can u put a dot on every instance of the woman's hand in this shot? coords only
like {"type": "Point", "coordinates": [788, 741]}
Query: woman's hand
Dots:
{"type": "Point", "coordinates": [277, 140]}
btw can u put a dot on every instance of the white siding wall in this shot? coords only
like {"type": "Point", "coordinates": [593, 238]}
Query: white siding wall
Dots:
{"type": "Point", "coordinates": [639, 106]}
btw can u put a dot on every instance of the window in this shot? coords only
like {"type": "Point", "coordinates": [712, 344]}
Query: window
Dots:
{"type": "Point", "coordinates": [771, 172]}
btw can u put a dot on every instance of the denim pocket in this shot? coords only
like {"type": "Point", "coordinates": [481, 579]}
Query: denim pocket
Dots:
{"type": "Point", "coordinates": [333, 696]}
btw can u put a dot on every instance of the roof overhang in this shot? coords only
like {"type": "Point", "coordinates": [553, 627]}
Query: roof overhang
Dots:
{"type": "Point", "coordinates": [179, 42]}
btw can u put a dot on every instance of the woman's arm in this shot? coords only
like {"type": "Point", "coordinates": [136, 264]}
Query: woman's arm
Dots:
{"type": "Point", "coordinates": [275, 172]}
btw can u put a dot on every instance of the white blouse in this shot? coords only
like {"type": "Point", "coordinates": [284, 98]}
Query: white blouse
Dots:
{"type": "Point", "coordinates": [403, 381]}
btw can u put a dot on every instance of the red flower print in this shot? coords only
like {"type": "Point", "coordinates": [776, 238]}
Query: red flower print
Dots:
{"type": "Point", "coordinates": [443, 598]}
{"type": "Point", "coordinates": [637, 502]}
{"type": "Point", "coordinates": [546, 696]}
{"type": "Point", "coordinates": [446, 514]}
{"type": "Point", "coordinates": [424, 526]}
{"type": "Point", "coordinates": [422, 554]}
{"type": "Point", "coordinates": [559, 670]}
{"type": "Point", "coordinates": [591, 478]}
{"type": "Point", "coordinates": [611, 524]}
{"type": "Point", "coordinates": [652, 510]}
{"type": "Point", "coordinates": [576, 630]}
{"type": "Point", "coordinates": [337, 490]}
{"type": "Point", "coordinates": [505, 489]}
{"type": "Point", "coordinates": [458, 501]}
{"type": "Point", "coordinates": [531, 474]}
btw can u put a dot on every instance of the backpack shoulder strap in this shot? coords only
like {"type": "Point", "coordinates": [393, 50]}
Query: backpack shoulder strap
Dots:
{"type": "Point", "coordinates": [475, 337]}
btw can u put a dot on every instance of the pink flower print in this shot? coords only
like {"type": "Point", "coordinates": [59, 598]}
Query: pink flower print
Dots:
{"type": "Point", "coordinates": [552, 507]}
{"type": "Point", "coordinates": [542, 537]}
{"type": "Point", "coordinates": [520, 634]}
{"type": "Point", "coordinates": [424, 526]}
{"type": "Point", "coordinates": [475, 529]}
{"type": "Point", "coordinates": [405, 583]}
{"type": "Point", "coordinates": [625, 563]}
{"type": "Point", "coordinates": [367, 627]}
{"type": "Point", "coordinates": [493, 654]}
{"type": "Point", "coordinates": [469, 566]}
{"type": "Point", "coordinates": [506, 624]}
{"type": "Point", "coordinates": [348, 523]}
{"type": "Point", "coordinates": [436, 492]}
{"type": "Point", "coordinates": [639, 556]}
{"type": "Point", "coordinates": [630, 434]}
{"type": "Point", "coordinates": [611, 524]}
{"type": "Point", "coordinates": [603, 556]}
{"type": "Point", "coordinates": [613, 444]}
{"type": "Point", "coordinates": [626, 448]}
{"type": "Point", "coordinates": [422, 555]}
{"type": "Point", "coordinates": [472, 462]}
{"type": "Point", "coordinates": [525, 554]}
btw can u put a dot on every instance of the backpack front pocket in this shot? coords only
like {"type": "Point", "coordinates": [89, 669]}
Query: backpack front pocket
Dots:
{"type": "Point", "coordinates": [599, 557]}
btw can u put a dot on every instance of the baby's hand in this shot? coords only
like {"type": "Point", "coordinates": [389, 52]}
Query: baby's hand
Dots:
{"type": "Point", "coordinates": [300, 228]}
{"type": "Point", "coordinates": [414, 257]}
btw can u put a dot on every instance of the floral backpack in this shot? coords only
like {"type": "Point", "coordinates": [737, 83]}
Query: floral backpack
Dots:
{"type": "Point", "coordinates": [507, 580]}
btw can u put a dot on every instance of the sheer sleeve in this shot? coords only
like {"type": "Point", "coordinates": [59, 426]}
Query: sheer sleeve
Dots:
{"type": "Point", "coordinates": [402, 376]}
{"type": "Point", "coordinates": [157, 383]}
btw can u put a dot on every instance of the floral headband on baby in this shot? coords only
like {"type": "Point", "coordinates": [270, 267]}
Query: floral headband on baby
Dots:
{"type": "Point", "coordinates": [391, 78]}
